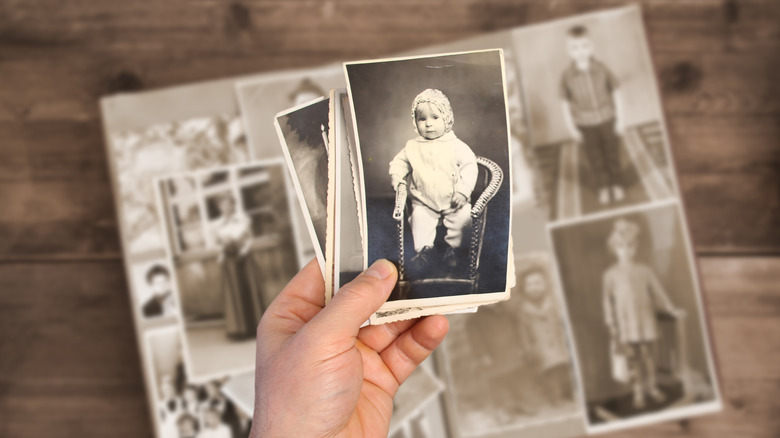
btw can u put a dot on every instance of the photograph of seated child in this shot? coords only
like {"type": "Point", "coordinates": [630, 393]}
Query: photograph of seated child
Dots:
{"type": "Point", "coordinates": [593, 113]}
{"type": "Point", "coordinates": [161, 302]}
{"type": "Point", "coordinates": [632, 294]}
{"type": "Point", "coordinates": [440, 172]}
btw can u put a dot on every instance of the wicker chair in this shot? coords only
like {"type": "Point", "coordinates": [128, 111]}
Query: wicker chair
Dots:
{"type": "Point", "coordinates": [488, 182]}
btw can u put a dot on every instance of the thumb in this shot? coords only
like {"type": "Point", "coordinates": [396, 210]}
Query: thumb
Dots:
{"type": "Point", "coordinates": [355, 302]}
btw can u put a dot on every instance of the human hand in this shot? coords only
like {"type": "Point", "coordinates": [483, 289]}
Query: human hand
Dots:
{"type": "Point", "coordinates": [576, 135]}
{"type": "Point", "coordinates": [458, 200]}
{"type": "Point", "coordinates": [318, 373]}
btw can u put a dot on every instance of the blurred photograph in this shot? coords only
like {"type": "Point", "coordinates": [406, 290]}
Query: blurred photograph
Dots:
{"type": "Point", "coordinates": [155, 294]}
{"type": "Point", "coordinates": [508, 368]}
{"type": "Point", "coordinates": [303, 134]}
{"type": "Point", "coordinates": [233, 247]}
{"type": "Point", "coordinates": [636, 317]}
{"type": "Point", "coordinates": [435, 198]}
{"type": "Point", "coordinates": [142, 155]}
{"type": "Point", "coordinates": [594, 113]}
{"type": "Point", "coordinates": [419, 389]}
{"type": "Point", "coordinates": [181, 408]}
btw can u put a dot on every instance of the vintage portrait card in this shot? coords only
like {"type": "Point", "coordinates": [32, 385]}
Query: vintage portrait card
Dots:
{"type": "Point", "coordinates": [432, 143]}
{"type": "Point", "coordinates": [303, 134]}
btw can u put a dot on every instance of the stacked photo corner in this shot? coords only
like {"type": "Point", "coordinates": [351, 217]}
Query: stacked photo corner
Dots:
{"type": "Point", "coordinates": [605, 327]}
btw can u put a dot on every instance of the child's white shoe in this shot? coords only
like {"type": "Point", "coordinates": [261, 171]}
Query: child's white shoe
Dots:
{"type": "Point", "coordinates": [604, 196]}
{"type": "Point", "coordinates": [619, 193]}
{"type": "Point", "coordinates": [639, 400]}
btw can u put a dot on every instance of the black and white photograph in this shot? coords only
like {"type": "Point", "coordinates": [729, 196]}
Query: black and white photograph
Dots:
{"type": "Point", "coordinates": [181, 408]}
{"type": "Point", "coordinates": [436, 202]}
{"type": "Point", "coordinates": [303, 134]}
{"type": "Point", "coordinates": [594, 113]}
{"type": "Point", "coordinates": [147, 153]}
{"type": "Point", "coordinates": [636, 316]}
{"type": "Point", "coordinates": [345, 242]}
{"type": "Point", "coordinates": [232, 242]}
{"type": "Point", "coordinates": [156, 300]}
{"type": "Point", "coordinates": [508, 368]}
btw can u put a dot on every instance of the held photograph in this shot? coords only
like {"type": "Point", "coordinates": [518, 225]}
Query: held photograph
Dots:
{"type": "Point", "coordinates": [303, 134]}
{"type": "Point", "coordinates": [231, 239]}
{"type": "Point", "coordinates": [344, 239]}
{"type": "Point", "coordinates": [432, 140]}
{"type": "Point", "coordinates": [594, 113]}
{"type": "Point", "coordinates": [636, 317]}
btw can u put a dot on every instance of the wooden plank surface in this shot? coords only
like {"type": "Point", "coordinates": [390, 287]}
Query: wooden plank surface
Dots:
{"type": "Point", "coordinates": [69, 363]}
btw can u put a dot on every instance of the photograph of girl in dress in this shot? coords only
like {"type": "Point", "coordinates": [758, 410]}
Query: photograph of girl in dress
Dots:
{"type": "Point", "coordinates": [457, 108]}
{"type": "Point", "coordinates": [183, 409]}
{"type": "Point", "coordinates": [233, 247]}
{"type": "Point", "coordinates": [636, 316]}
{"type": "Point", "coordinates": [594, 113]}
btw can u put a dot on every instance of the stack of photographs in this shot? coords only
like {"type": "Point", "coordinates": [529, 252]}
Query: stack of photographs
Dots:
{"type": "Point", "coordinates": [528, 169]}
{"type": "Point", "coordinates": [383, 158]}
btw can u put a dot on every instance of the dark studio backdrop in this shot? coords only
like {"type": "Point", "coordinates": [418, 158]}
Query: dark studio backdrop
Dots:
{"type": "Point", "coordinates": [382, 96]}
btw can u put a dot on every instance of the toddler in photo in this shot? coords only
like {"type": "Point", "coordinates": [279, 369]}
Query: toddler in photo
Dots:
{"type": "Point", "coordinates": [632, 296]}
{"type": "Point", "coordinates": [593, 113]}
{"type": "Point", "coordinates": [440, 171]}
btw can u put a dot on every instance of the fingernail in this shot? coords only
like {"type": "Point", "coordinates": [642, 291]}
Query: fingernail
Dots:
{"type": "Point", "coordinates": [381, 269]}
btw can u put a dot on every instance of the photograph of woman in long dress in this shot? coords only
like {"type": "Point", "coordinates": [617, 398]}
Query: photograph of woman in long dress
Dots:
{"type": "Point", "coordinates": [243, 298]}
{"type": "Point", "coordinates": [231, 235]}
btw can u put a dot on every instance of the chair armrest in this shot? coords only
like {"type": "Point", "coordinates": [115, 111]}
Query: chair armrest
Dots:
{"type": "Point", "coordinates": [496, 176]}
{"type": "Point", "coordinates": [400, 201]}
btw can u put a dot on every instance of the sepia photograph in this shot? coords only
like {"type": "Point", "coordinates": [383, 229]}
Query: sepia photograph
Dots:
{"type": "Point", "coordinates": [232, 242]}
{"type": "Point", "coordinates": [508, 368]}
{"type": "Point", "coordinates": [636, 316]}
{"type": "Point", "coordinates": [151, 152]}
{"type": "Point", "coordinates": [183, 409]}
{"type": "Point", "coordinates": [434, 198]}
{"type": "Point", "coordinates": [303, 134]}
{"type": "Point", "coordinates": [594, 113]}
{"type": "Point", "coordinates": [156, 300]}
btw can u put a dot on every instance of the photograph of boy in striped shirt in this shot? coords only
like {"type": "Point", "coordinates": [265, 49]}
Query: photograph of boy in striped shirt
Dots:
{"type": "Point", "coordinates": [593, 113]}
